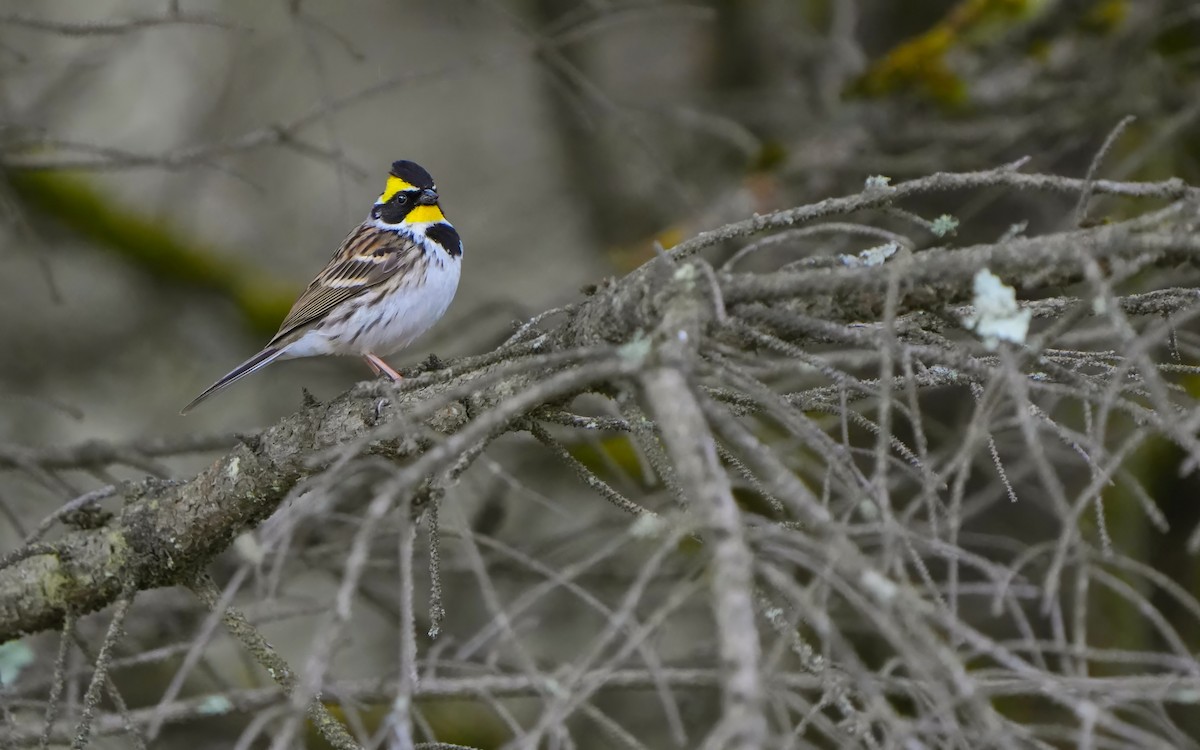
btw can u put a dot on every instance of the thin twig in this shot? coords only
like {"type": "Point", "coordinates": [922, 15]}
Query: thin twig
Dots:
{"type": "Point", "coordinates": [330, 728]}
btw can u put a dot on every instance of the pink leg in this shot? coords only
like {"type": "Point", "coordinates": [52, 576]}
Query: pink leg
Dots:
{"type": "Point", "coordinates": [379, 367]}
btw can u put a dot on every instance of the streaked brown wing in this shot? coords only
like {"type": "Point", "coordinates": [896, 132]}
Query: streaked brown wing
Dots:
{"type": "Point", "coordinates": [367, 257]}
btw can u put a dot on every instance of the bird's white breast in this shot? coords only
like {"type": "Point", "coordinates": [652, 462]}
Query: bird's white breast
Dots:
{"type": "Point", "coordinates": [407, 313]}
{"type": "Point", "coordinates": [387, 318]}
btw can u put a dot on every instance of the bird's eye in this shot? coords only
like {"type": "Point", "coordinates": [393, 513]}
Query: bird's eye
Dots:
{"type": "Point", "coordinates": [401, 199]}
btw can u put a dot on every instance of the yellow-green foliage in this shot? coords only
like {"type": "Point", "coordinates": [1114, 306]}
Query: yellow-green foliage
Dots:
{"type": "Point", "coordinates": [458, 721]}
{"type": "Point", "coordinates": [1106, 16]}
{"type": "Point", "coordinates": [72, 202]}
{"type": "Point", "coordinates": [919, 64]}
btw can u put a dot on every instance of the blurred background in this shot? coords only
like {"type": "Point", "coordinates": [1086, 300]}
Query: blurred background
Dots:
{"type": "Point", "coordinates": [172, 175]}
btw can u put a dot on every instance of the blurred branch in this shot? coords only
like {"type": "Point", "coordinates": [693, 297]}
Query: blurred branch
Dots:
{"type": "Point", "coordinates": [96, 453]}
{"type": "Point", "coordinates": [110, 28]}
{"type": "Point", "coordinates": [153, 248]}
{"type": "Point", "coordinates": [51, 154]}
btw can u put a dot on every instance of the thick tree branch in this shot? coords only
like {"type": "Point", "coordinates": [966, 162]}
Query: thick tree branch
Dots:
{"type": "Point", "coordinates": [687, 312]}
{"type": "Point", "coordinates": [166, 532]}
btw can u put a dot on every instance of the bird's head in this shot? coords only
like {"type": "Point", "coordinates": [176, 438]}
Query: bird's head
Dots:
{"type": "Point", "coordinates": [409, 203]}
{"type": "Point", "coordinates": [409, 197]}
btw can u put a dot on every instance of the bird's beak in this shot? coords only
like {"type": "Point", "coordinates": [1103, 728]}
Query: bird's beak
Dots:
{"type": "Point", "coordinates": [427, 198]}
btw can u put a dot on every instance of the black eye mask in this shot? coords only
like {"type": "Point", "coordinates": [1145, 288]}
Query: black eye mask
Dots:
{"type": "Point", "coordinates": [394, 211]}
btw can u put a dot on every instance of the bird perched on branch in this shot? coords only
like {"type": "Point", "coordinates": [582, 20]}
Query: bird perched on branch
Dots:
{"type": "Point", "coordinates": [390, 280]}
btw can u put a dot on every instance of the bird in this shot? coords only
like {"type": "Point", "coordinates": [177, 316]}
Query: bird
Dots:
{"type": "Point", "coordinates": [387, 283]}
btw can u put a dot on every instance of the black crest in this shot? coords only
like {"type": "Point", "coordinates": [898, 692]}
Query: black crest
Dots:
{"type": "Point", "coordinates": [412, 173]}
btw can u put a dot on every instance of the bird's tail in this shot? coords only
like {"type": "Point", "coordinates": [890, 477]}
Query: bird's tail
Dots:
{"type": "Point", "coordinates": [257, 362]}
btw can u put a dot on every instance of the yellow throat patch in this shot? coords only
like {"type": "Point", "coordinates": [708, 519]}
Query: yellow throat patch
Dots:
{"type": "Point", "coordinates": [422, 214]}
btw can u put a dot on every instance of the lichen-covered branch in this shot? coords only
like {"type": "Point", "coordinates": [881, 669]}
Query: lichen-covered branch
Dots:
{"type": "Point", "coordinates": [165, 532]}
